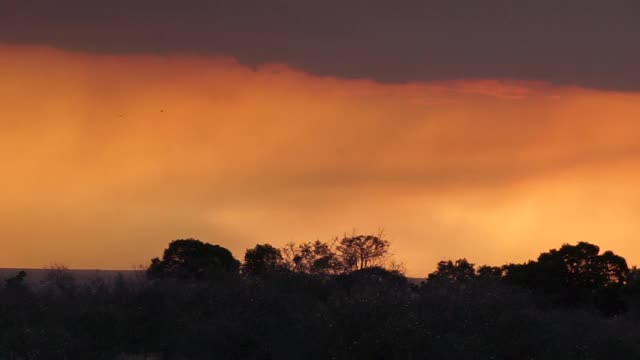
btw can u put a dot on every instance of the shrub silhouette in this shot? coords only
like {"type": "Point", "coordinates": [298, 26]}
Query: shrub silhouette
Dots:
{"type": "Point", "coordinates": [17, 282]}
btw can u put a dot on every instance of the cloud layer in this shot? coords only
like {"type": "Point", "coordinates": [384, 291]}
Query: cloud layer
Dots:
{"type": "Point", "coordinates": [106, 158]}
{"type": "Point", "coordinates": [585, 43]}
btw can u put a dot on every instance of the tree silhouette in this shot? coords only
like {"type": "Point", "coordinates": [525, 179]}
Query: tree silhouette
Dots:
{"type": "Point", "coordinates": [193, 259]}
{"type": "Point", "coordinates": [574, 274]}
{"type": "Point", "coordinates": [362, 251]}
{"type": "Point", "coordinates": [371, 313]}
{"type": "Point", "coordinates": [262, 259]}
{"type": "Point", "coordinates": [17, 281]}
{"type": "Point", "coordinates": [490, 272]}
{"type": "Point", "coordinates": [315, 258]}
{"type": "Point", "coordinates": [459, 271]}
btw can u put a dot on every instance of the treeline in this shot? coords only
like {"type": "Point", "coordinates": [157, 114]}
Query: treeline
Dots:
{"type": "Point", "coordinates": [344, 299]}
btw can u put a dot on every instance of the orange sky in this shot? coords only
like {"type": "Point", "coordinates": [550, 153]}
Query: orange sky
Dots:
{"type": "Point", "coordinates": [105, 159]}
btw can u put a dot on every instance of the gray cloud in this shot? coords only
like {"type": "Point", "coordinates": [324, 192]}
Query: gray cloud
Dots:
{"type": "Point", "coordinates": [585, 43]}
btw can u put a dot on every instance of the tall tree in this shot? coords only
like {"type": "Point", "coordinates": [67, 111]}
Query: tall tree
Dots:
{"type": "Point", "coordinates": [193, 259]}
{"type": "Point", "coordinates": [574, 274]}
{"type": "Point", "coordinates": [362, 251]}
{"type": "Point", "coordinates": [262, 259]}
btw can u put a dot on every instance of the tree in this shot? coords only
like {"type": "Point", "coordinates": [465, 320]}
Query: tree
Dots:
{"type": "Point", "coordinates": [17, 281]}
{"type": "Point", "coordinates": [574, 274]}
{"type": "Point", "coordinates": [317, 258]}
{"type": "Point", "coordinates": [459, 271]}
{"type": "Point", "coordinates": [490, 272]}
{"type": "Point", "coordinates": [262, 259]}
{"type": "Point", "coordinates": [193, 259]}
{"type": "Point", "coordinates": [362, 251]}
{"type": "Point", "coordinates": [580, 266]}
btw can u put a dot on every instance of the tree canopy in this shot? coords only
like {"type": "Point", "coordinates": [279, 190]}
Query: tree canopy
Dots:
{"type": "Point", "coordinates": [262, 259]}
{"type": "Point", "coordinates": [573, 274]}
{"type": "Point", "coordinates": [459, 271]}
{"type": "Point", "coordinates": [193, 259]}
{"type": "Point", "coordinates": [317, 258]}
{"type": "Point", "coordinates": [362, 251]}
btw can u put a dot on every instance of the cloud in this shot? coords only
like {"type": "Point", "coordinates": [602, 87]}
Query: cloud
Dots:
{"type": "Point", "coordinates": [106, 158]}
{"type": "Point", "coordinates": [577, 43]}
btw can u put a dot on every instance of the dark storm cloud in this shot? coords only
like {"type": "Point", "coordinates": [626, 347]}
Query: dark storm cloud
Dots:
{"type": "Point", "coordinates": [586, 43]}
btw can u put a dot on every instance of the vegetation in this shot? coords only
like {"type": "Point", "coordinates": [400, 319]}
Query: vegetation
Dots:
{"type": "Point", "coordinates": [193, 259]}
{"type": "Point", "coordinates": [336, 300]}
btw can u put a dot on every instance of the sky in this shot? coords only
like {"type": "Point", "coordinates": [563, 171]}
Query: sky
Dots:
{"type": "Point", "coordinates": [492, 132]}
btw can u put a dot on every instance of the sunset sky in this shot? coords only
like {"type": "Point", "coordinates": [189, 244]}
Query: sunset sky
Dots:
{"type": "Point", "coordinates": [475, 129]}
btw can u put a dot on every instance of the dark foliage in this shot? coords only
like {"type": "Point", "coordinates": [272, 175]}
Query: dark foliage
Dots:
{"type": "Point", "coordinates": [458, 312]}
{"type": "Point", "coordinates": [317, 258]}
{"type": "Point", "coordinates": [575, 275]}
{"type": "Point", "coordinates": [457, 272]}
{"type": "Point", "coordinates": [193, 259]}
{"type": "Point", "coordinates": [362, 251]}
{"type": "Point", "coordinates": [262, 260]}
